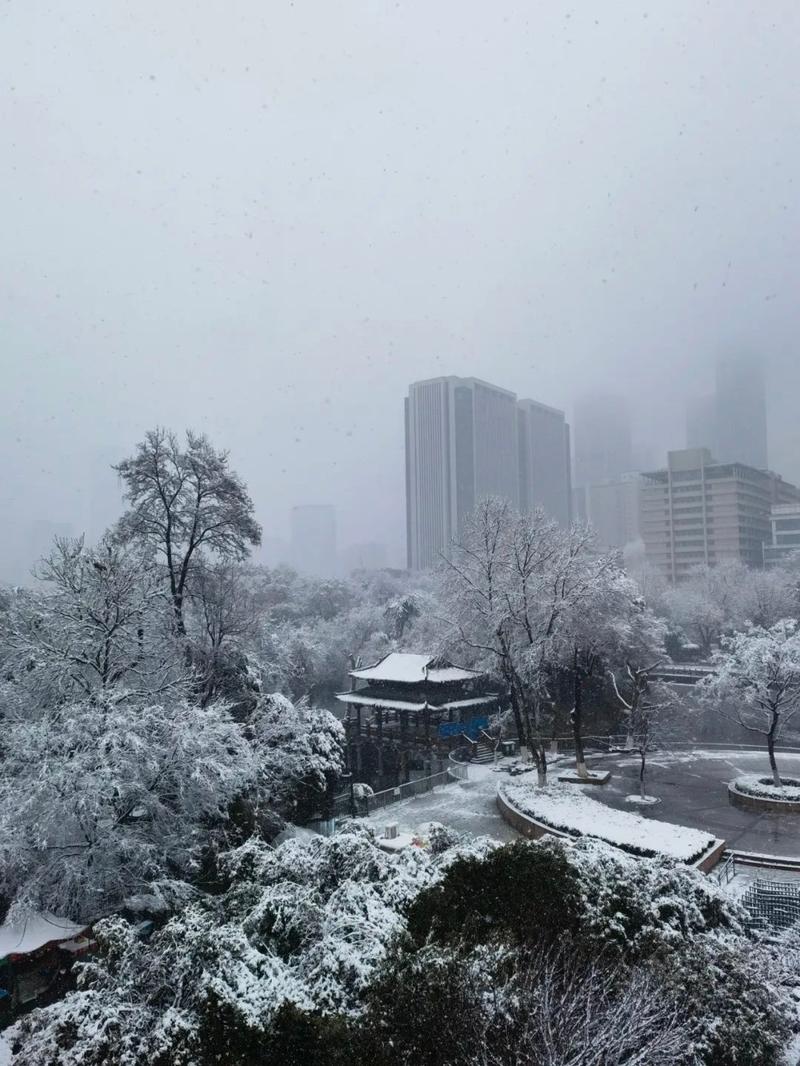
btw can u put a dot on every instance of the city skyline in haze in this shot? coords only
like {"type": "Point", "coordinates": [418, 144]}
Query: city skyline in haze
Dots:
{"type": "Point", "coordinates": [264, 228]}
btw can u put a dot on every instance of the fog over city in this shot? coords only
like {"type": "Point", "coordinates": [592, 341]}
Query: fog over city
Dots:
{"type": "Point", "coordinates": [264, 220]}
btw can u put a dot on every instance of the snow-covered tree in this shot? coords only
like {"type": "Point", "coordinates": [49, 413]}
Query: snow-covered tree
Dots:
{"type": "Point", "coordinates": [645, 704]}
{"type": "Point", "coordinates": [100, 628]}
{"type": "Point", "coordinates": [300, 751]}
{"type": "Point", "coordinates": [224, 616]}
{"type": "Point", "coordinates": [606, 625]}
{"type": "Point", "coordinates": [100, 799]}
{"type": "Point", "coordinates": [528, 598]}
{"type": "Point", "coordinates": [756, 682]}
{"type": "Point", "coordinates": [185, 502]}
{"type": "Point", "coordinates": [306, 924]}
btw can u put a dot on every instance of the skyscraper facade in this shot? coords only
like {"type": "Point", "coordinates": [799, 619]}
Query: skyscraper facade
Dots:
{"type": "Point", "coordinates": [467, 439]}
{"type": "Point", "coordinates": [741, 412]}
{"type": "Point", "coordinates": [603, 449]}
{"type": "Point", "coordinates": [699, 511]}
{"type": "Point", "coordinates": [545, 478]}
{"type": "Point", "coordinates": [701, 423]}
{"type": "Point", "coordinates": [461, 445]}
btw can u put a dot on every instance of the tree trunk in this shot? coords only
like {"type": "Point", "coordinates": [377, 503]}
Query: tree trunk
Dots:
{"type": "Point", "coordinates": [776, 779]}
{"type": "Point", "coordinates": [541, 766]}
{"type": "Point", "coordinates": [642, 791]}
{"type": "Point", "coordinates": [518, 721]}
{"type": "Point", "coordinates": [577, 721]}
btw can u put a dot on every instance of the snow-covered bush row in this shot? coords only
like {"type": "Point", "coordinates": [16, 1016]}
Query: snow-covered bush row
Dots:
{"type": "Point", "coordinates": [763, 787]}
{"type": "Point", "coordinates": [568, 809]}
{"type": "Point", "coordinates": [305, 923]}
{"type": "Point", "coordinates": [568, 954]}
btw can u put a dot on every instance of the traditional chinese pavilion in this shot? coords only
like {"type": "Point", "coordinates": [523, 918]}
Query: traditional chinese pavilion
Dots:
{"type": "Point", "coordinates": [408, 706]}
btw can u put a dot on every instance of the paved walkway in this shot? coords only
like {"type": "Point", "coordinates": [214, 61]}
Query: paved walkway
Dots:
{"type": "Point", "coordinates": [467, 806]}
{"type": "Point", "coordinates": [692, 787]}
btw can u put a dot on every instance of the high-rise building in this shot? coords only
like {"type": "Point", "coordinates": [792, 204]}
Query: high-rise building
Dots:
{"type": "Point", "coordinates": [612, 508]}
{"type": "Point", "coordinates": [314, 540]}
{"type": "Point", "coordinates": [698, 510]}
{"type": "Point", "coordinates": [784, 542]}
{"type": "Point", "coordinates": [461, 445]}
{"type": "Point", "coordinates": [543, 444]}
{"type": "Point", "coordinates": [701, 423]}
{"type": "Point", "coordinates": [741, 412]}
{"type": "Point", "coordinates": [467, 439]}
{"type": "Point", "coordinates": [602, 430]}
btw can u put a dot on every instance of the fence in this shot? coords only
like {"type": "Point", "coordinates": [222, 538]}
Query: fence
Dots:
{"type": "Point", "coordinates": [618, 744]}
{"type": "Point", "coordinates": [457, 769]}
{"type": "Point", "coordinates": [772, 905]}
{"type": "Point", "coordinates": [411, 788]}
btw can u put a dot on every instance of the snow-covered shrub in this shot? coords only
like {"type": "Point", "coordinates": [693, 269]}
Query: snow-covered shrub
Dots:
{"type": "Point", "coordinates": [764, 787]}
{"type": "Point", "coordinates": [569, 810]}
{"type": "Point", "coordinates": [736, 1008]}
{"type": "Point", "coordinates": [300, 749]}
{"type": "Point", "coordinates": [99, 800]}
{"type": "Point", "coordinates": [500, 1007]}
{"type": "Point", "coordinates": [529, 893]}
{"type": "Point", "coordinates": [642, 906]}
{"type": "Point", "coordinates": [305, 924]}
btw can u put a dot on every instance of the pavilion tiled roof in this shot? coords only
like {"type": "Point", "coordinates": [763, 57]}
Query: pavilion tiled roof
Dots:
{"type": "Point", "coordinates": [407, 668]}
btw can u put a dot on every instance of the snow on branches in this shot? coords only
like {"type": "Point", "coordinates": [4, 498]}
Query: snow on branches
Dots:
{"type": "Point", "coordinates": [757, 682]}
{"type": "Point", "coordinates": [99, 799]}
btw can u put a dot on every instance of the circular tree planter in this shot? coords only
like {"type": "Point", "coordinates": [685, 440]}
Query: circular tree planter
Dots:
{"type": "Point", "coordinates": [753, 793]}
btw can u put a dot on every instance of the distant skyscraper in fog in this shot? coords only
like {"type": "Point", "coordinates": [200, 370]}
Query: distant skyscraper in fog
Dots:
{"type": "Point", "coordinates": [545, 478]}
{"type": "Point", "coordinates": [602, 432]}
{"type": "Point", "coordinates": [465, 440]}
{"type": "Point", "coordinates": [461, 445]}
{"type": "Point", "coordinates": [741, 412]}
{"type": "Point", "coordinates": [701, 423]}
{"type": "Point", "coordinates": [314, 540]}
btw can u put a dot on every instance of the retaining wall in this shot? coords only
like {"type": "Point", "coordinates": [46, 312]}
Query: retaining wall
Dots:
{"type": "Point", "coordinates": [533, 830]}
{"type": "Point", "coordinates": [761, 804]}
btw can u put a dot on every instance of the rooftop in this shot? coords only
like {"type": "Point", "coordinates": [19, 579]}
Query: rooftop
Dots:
{"type": "Point", "coordinates": [408, 668]}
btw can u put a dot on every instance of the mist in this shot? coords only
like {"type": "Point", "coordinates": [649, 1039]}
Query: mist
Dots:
{"type": "Point", "coordinates": [264, 221]}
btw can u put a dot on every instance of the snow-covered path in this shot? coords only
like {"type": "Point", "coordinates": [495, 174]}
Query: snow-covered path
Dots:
{"type": "Point", "coordinates": [467, 806]}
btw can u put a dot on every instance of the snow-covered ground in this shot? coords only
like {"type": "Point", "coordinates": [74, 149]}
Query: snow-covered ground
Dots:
{"type": "Point", "coordinates": [568, 807]}
{"type": "Point", "coordinates": [468, 806]}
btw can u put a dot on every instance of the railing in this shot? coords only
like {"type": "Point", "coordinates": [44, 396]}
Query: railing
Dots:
{"type": "Point", "coordinates": [772, 905]}
{"type": "Point", "coordinates": [726, 872]}
{"type": "Point", "coordinates": [411, 788]}
{"type": "Point", "coordinates": [458, 770]}
{"type": "Point", "coordinates": [617, 743]}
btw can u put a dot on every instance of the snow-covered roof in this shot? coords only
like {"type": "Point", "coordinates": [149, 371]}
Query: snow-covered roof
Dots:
{"type": "Point", "coordinates": [34, 933]}
{"type": "Point", "coordinates": [379, 701]}
{"type": "Point", "coordinates": [406, 667]}
{"type": "Point", "coordinates": [366, 700]}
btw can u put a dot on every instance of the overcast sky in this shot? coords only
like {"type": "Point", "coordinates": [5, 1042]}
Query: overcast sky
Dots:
{"type": "Point", "coordinates": [263, 219]}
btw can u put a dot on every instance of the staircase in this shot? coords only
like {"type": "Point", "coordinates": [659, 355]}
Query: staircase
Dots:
{"type": "Point", "coordinates": [482, 752]}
